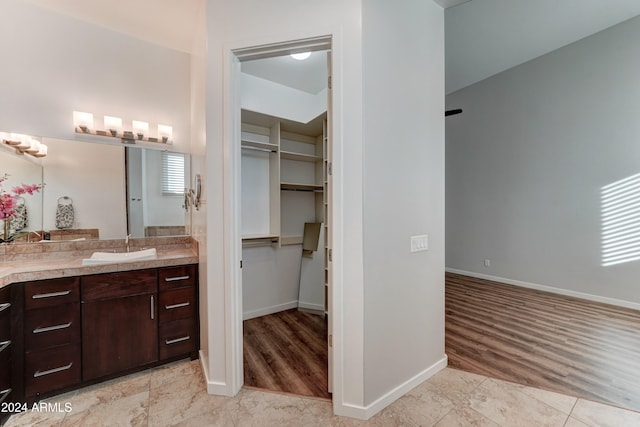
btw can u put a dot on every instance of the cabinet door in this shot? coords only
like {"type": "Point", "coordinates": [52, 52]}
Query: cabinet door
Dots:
{"type": "Point", "coordinates": [118, 334]}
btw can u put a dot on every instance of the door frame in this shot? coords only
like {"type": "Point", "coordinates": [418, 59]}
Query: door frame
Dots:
{"type": "Point", "coordinates": [234, 55]}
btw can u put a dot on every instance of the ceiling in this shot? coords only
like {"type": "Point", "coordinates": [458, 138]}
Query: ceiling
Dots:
{"type": "Point", "coordinates": [485, 37]}
{"type": "Point", "coordinates": [169, 23]}
{"type": "Point", "coordinates": [482, 37]}
{"type": "Point", "coordinates": [309, 75]}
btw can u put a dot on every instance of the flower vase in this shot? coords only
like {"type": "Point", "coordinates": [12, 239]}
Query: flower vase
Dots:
{"type": "Point", "coordinates": [7, 229]}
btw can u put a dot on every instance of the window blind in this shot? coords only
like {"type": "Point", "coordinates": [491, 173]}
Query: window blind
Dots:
{"type": "Point", "coordinates": [172, 174]}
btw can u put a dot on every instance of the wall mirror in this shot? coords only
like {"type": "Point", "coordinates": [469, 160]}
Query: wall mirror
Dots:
{"type": "Point", "coordinates": [115, 190]}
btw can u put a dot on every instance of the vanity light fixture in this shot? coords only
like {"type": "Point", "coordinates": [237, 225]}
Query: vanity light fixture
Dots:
{"type": "Point", "coordinates": [34, 146]}
{"type": "Point", "coordinates": [83, 123]}
{"type": "Point", "coordinates": [24, 144]}
{"type": "Point", "coordinates": [165, 133]}
{"type": "Point", "coordinates": [140, 129]}
{"type": "Point", "coordinates": [113, 125]}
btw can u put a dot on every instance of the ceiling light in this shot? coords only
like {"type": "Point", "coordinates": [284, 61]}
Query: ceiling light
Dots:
{"type": "Point", "coordinates": [301, 56]}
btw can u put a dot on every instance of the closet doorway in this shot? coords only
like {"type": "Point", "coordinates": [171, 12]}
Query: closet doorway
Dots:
{"type": "Point", "coordinates": [285, 199]}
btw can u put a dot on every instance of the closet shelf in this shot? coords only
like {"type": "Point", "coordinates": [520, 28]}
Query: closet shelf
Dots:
{"type": "Point", "coordinates": [258, 145]}
{"type": "Point", "coordinates": [300, 157]}
{"type": "Point", "coordinates": [260, 237]}
{"type": "Point", "coordinates": [290, 186]}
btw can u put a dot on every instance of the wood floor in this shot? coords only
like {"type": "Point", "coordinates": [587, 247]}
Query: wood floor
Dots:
{"type": "Point", "coordinates": [287, 352]}
{"type": "Point", "coordinates": [563, 344]}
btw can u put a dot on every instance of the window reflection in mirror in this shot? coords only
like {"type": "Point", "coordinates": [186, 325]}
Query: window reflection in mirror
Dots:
{"type": "Point", "coordinates": [155, 192]}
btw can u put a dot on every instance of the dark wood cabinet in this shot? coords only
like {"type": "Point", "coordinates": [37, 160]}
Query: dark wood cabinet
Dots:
{"type": "Point", "coordinates": [178, 311]}
{"type": "Point", "coordinates": [119, 320]}
{"type": "Point", "coordinates": [61, 334]}
{"type": "Point", "coordinates": [5, 346]}
{"type": "Point", "coordinates": [51, 335]}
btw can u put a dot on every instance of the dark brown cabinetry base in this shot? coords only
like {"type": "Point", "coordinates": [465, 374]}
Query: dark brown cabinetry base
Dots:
{"type": "Point", "coordinates": [60, 334]}
{"type": "Point", "coordinates": [119, 322]}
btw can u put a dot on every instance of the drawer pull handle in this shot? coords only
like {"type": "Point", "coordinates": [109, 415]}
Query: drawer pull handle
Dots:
{"type": "Point", "coordinates": [52, 371]}
{"type": "Point", "coordinates": [51, 328]}
{"type": "Point", "coordinates": [152, 305]}
{"type": "Point", "coordinates": [177, 340]}
{"type": "Point", "coordinates": [4, 306]}
{"type": "Point", "coordinates": [4, 394]}
{"type": "Point", "coordinates": [177, 278]}
{"type": "Point", "coordinates": [182, 304]}
{"type": "Point", "coordinates": [52, 294]}
{"type": "Point", "coordinates": [4, 344]}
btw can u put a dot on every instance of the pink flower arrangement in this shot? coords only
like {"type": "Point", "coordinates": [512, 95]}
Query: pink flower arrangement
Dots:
{"type": "Point", "coordinates": [9, 201]}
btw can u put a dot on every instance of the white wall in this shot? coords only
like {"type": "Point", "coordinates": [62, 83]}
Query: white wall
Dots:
{"type": "Point", "coordinates": [53, 64]}
{"type": "Point", "coordinates": [92, 175]}
{"type": "Point", "coordinates": [270, 279]}
{"type": "Point", "coordinates": [403, 193]}
{"type": "Point", "coordinates": [198, 166]}
{"type": "Point", "coordinates": [527, 159]}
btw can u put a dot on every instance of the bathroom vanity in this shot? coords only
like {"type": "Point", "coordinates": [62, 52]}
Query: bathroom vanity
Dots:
{"type": "Point", "coordinates": [80, 325]}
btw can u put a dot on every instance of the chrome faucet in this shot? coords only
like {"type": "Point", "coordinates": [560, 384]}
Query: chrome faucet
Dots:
{"type": "Point", "coordinates": [33, 232]}
{"type": "Point", "coordinates": [126, 242]}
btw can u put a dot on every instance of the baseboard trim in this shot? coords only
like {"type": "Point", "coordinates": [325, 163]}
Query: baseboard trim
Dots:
{"type": "Point", "coordinates": [366, 412]}
{"type": "Point", "coordinates": [560, 291]}
{"type": "Point", "coordinates": [319, 308]}
{"type": "Point", "coordinates": [269, 310]}
{"type": "Point", "coordinates": [213, 387]}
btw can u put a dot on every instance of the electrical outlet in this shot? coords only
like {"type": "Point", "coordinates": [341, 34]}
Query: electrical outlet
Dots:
{"type": "Point", "coordinates": [487, 263]}
{"type": "Point", "coordinates": [420, 243]}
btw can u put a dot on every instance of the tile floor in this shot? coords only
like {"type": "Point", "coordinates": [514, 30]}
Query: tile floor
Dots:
{"type": "Point", "coordinates": [175, 395]}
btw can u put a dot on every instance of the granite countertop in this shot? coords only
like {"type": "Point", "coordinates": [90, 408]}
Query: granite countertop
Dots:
{"type": "Point", "coordinates": [24, 270]}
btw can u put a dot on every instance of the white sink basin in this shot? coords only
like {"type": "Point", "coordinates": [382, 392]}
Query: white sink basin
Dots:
{"type": "Point", "coordinates": [111, 257]}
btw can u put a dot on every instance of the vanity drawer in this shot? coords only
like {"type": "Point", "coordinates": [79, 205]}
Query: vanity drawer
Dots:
{"type": "Point", "coordinates": [52, 369]}
{"type": "Point", "coordinates": [5, 325]}
{"type": "Point", "coordinates": [52, 326]}
{"type": "Point", "coordinates": [5, 366]}
{"type": "Point", "coordinates": [115, 285]}
{"type": "Point", "coordinates": [177, 304]}
{"type": "Point", "coordinates": [47, 293]}
{"type": "Point", "coordinates": [5, 315]}
{"type": "Point", "coordinates": [176, 338]}
{"type": "Point", "coordinates": [177, 277]}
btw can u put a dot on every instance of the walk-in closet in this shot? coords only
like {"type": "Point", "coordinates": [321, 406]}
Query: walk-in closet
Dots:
{"type": "Point", "coordinates": [285, 169]}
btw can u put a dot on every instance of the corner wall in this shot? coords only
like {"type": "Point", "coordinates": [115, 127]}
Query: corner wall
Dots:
{"type": "Point", "coordinates": [403, 86]}
{"type": "Point", "coordinates": [236, 24]}
{"type": "Point", "coordinates": [527, 160]}
{"type": "Point", "coordinates": [375, 278]}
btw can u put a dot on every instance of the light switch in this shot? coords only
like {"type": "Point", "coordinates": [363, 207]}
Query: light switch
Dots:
{"type": "Point", "coordinates": [420, 243]}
